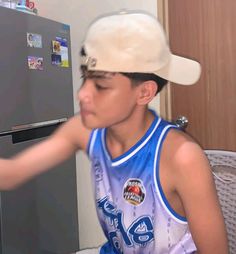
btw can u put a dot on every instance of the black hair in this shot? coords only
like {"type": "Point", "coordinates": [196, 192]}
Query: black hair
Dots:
{"type": "Point", "coordinates": [135, 77]}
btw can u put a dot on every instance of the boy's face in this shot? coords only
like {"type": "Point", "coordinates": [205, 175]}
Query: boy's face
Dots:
{"type": "Point", "coordinates": [106, 99]}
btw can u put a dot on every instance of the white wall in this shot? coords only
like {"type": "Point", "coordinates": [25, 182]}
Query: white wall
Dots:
{"type": "Point", "coordinates": [78, 14]}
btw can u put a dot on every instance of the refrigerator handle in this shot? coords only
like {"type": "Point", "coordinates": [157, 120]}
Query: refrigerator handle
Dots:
{"type": "Point", "coordinates": [21, 133]}
{"type": "Point", "coordinates": [25, 127]}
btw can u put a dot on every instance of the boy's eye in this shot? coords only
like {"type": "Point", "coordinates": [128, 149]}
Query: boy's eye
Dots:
{"type": "Point", "coordinates": [99, 87]}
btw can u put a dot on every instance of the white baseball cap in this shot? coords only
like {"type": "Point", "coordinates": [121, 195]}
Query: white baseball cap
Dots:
{"type": "Point", "coordinates": [134, 41]}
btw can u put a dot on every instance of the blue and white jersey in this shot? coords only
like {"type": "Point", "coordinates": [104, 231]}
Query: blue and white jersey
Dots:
{"type": "Point", "coordinates": [133, 211]}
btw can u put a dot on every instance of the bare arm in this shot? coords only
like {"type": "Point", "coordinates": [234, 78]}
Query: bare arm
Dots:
{"type": "Point", "coordinates": [196, 188]}
{"type": "Point", "coordinates": [69, 137]}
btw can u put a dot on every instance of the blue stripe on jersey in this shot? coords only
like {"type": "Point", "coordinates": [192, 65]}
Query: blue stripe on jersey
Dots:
{"type": "Point", "coordinates": [91, 142]}
{"type": "Point", "coordinates": [133, 150]}
{"type": "Point", "coordinates": [166, 204]}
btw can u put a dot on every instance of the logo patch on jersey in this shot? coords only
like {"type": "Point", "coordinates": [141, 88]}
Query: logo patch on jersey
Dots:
{"type": "Point", "coordinates": [134, 191]}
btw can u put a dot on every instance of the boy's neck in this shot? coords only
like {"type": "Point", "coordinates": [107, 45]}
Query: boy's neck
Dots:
{"type": "Point", "coordinates": [121, 138]}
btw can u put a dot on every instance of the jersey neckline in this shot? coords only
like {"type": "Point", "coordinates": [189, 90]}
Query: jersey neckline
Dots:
{"type": "Point", "coordinates": [136, 147]}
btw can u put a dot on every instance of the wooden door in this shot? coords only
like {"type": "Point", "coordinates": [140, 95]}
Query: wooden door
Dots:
{"type": "Point", "coordinates": [205, 30]}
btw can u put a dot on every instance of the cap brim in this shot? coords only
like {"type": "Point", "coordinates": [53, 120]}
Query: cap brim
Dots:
{"type": "Point", "coordinates": [181, 70]}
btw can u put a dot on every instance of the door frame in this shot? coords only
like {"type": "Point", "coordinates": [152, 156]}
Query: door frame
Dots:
{"type": "Point", "coordinates": [165, 95]}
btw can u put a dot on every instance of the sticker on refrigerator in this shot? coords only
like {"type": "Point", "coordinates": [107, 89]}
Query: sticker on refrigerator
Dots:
{"type": "Point", "coordinates": [56, 47]}
{"type": "Point", "coordinates": [34, 40]}
{"type": "Point", "coordinates": [35, 63]}
{"type": "Point", "coordinates": [56, 59]}
{"type": "Point", "coordinates": [60, 48]}
{"type": "Point", "coordinates": [64, 52]}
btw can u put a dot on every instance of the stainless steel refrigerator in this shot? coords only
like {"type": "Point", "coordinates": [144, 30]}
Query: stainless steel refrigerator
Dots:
{"type": "Point", "coordinates": [36, 96]}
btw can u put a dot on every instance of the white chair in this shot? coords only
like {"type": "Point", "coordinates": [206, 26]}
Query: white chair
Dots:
{"type": "Point", "coordinates": [223, 164]}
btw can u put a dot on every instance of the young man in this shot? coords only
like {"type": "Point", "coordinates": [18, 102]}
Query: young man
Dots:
{"type": "Point", "coordinates": [154, 189]}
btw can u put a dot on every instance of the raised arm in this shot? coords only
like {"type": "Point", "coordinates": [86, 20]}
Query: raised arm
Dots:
{"type": "Point", "coordinates": [67, 139]}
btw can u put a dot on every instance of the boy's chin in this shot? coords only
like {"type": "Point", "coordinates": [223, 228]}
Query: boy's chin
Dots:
{"type": "Point", "coordinates": [92, 125]}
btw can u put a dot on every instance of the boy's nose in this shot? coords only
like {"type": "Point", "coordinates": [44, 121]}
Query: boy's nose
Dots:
{"type": "Point", "coordinates": [84, 94]}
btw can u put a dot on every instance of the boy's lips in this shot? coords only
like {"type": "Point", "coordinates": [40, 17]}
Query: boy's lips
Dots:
{"type": "Point", "coordinates": [85, 112]}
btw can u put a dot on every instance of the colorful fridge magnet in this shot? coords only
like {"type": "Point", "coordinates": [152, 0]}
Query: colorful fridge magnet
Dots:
{"type": "Point", "coordinates": [35, 63]}
{"type": "Point", "coordinates": [56, 59]}
{"type": "Point", "coordinates": [56, 47]}
{"type": "Point", "coordinates": [60, 52]}
{"type": "Point", "coordinates": [34, 40]}
{"type": "Point", "coordinates": [64, 51]}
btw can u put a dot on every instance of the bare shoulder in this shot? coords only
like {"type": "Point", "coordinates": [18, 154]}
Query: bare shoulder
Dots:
{"type": "Point", "coordinates": [192, 180]}
{"type": "Point", "coordinates": [74, 132]}
{"type": "Point", "coordinates": [183, 152]}
{"type": "Point", "coordinates": [185, 161]}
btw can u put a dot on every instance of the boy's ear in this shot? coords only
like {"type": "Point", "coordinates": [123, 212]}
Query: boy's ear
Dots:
{"type": "Point", "coordinates": [147, 92]}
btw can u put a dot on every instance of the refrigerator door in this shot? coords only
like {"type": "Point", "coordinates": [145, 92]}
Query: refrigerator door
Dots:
{"type": "Point", "coordinates": [19, 226]}
{"type": "Point", "coordinates": [29, 95]}
{"type": "Point", "coordinates": [39, 217]}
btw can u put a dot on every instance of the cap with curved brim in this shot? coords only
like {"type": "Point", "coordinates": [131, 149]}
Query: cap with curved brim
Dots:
{"type": "Point", "coordinates": [180, 70]}
{"type": "Point", "coordinates": [135, 42]}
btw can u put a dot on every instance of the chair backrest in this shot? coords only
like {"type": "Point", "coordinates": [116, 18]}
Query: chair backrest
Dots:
{"type": "Point", "coordinates": [223, 164]}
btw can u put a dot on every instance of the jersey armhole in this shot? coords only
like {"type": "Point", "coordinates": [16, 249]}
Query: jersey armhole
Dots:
{"type": "Point", "coordinates": [165, 203]}
{"type": "Point", "coordinates": [92, 138]}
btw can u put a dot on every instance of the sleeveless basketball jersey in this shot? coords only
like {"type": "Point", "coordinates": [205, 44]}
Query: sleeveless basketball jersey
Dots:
{"type": "Point", "coordinates": [133, 211]}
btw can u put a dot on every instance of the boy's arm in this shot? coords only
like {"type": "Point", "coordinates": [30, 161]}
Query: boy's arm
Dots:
{"type": "Point", "coordinates": [196, 188]}
{"type": "Point", "coordinates": [68, 138]}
